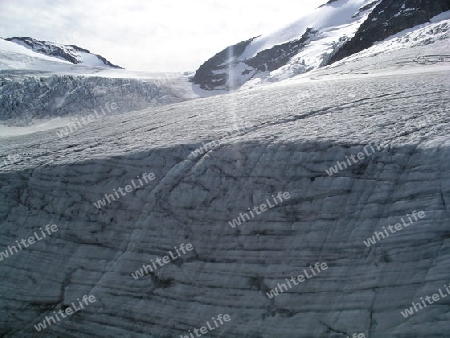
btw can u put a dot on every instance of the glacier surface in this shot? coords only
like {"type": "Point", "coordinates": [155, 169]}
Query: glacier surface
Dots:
{"type": "Point", "coordinates": [301, 128]}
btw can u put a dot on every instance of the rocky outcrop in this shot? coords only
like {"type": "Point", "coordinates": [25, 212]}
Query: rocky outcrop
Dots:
{"type": "Point", "coordinates": [388, 18]}
{"type": "Point", "coordinates": [207, 75]}
{"type": "Point", "coordinates": [277, 56]}
{"type": "Point", "coordinates": [213, 73]}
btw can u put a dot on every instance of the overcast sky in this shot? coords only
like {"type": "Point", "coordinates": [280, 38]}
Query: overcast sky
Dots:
{"type": "Point", "coordinates": [150, 35]}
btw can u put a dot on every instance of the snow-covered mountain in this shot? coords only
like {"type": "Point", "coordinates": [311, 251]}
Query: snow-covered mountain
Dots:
{"type": "Point", "coordinates": [70, 53]}
{"type": "Point", "coordinates": [333, 31]}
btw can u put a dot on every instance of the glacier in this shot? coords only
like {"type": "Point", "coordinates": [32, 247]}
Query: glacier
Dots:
{"type": "Point", "coordinates": [300, 128]}
{"type": "Point", "coordinates": [38, 91]}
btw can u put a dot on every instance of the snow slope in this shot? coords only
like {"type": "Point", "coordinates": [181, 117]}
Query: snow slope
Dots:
{"type": "Point", "coordinates": [423, 44]}
{"type": "Point", "coordinates": [318, 36]}
{"type": "Point", "coordinates": [419, 35]}
{"type": "Point", "coordinates": [332, 23]}
{"type": "Point", "coordinates": [70, 53]}
{"type": "Point", "coordinates": [300, 129]}
{"type": "Point", "coordinates": [18, 60]}
{"type": "Point", "coordinates": [14, 56]}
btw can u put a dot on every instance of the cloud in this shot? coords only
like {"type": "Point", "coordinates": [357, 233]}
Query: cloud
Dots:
{"type": "Point", "coordinates": [152, 35]}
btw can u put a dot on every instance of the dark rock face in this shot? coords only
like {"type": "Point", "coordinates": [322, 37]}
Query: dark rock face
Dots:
{"type": "Point", "coordinates": [277, 56]}
{"type": "Point", "coordinates": [266, 60]}
{"type": "Point", "coordinates": [388, 18]}
{"type": "Point", "coordinates": [59, 51]}
{"type": "Point", "coordinates": [106, 62]}
{"type": "Point", "coordinates": [205, 75]}
{"type": "Point", "coordinates": [329, 2]}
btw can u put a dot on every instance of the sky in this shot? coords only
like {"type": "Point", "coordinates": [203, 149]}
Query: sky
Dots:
{"type": "Point", "coordinates": [150, 35]}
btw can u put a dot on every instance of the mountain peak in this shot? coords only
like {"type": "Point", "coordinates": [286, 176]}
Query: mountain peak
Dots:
{"type": "Point", "coordinates": [70, 53]}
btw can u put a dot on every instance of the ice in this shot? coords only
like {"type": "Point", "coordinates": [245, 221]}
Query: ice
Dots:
{"type": "Point", "coordinates": [301, 127]}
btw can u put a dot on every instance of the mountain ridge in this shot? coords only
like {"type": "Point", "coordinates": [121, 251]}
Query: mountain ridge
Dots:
{"type": "Point", "coordinates": [70, 53]}
{"type": "Point", "coordinates": [332, 32]}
